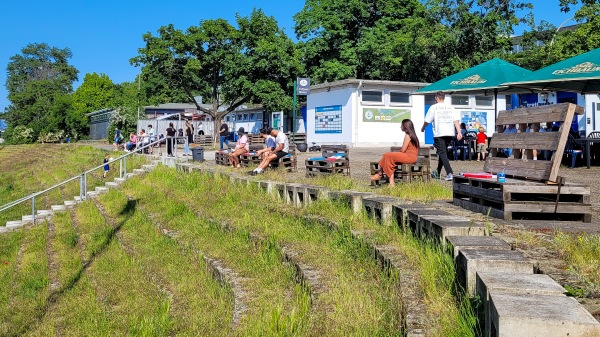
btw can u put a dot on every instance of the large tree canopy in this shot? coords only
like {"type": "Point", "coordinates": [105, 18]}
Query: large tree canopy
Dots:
{"type": "Point", "coordinates": [229, 66]}
{"type": "Point", "coordinates": [39, 81]}
{"type": "Point", "coordinates": [403, 39]}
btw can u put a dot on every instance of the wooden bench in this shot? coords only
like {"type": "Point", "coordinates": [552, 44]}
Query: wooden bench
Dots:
{"type": "Point", "coordinates": [420, 170]}
{"type": "Point", "coordinates": [203, 140]}
{"type": "Point", "coordinates": [533, 189]}
{"type": "Point", "coordinates": [334, 160]}
{"type": "Point", "coordinates": [288, 162]}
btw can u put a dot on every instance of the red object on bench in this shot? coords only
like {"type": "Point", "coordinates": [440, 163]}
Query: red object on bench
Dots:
{"type": "Point", "coordinates": [483, 175]}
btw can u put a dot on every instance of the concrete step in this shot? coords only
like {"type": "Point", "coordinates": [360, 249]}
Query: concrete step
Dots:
{"type": "Point", "coordinates": [58, 208]}
{"type": "Point", "coordinates": [148, 168]}
{"type": "Point", "coordinates": [101, 189]}
{"type": "Point", "coordinates": [129, 175]}
{"type": "Point", "coordinates": [119, 180]}
{"type": "Point", "coordinates": [10, 225]}
{"type": "Point", "coordinates": [138, 171]}
{"type": "Point", "coordinates": [70, 203]}
{"type": "Point", "coordinates": [25, 219]}
{"type": "Point", "coordinates": [91, 194]}
{"type": "Point", "coordinates": [44, 213]}
{"type": "Point", "coordinates": [111, 184]}
{"type": "Point", "coordinates": [77, 199]}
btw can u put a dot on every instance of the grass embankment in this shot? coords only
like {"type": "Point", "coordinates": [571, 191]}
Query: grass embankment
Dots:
{"type": "Point", "coordinates": [416, 191]}
{"type": "Point", "coordinates": [25, 169]}
{"type": "Point", "coordinates": [354, 295]}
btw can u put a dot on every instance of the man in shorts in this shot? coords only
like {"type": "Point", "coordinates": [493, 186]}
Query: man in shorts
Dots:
{"type": "Point", "coordinates": [281, 150]}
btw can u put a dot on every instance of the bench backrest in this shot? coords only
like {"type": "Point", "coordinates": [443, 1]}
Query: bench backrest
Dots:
{"type": "Point", "coordinates": [423, 157]}
{"type": "Point", "coordinates": [526, 142]}
{"type": "Point", "coordinates": [330, 150]}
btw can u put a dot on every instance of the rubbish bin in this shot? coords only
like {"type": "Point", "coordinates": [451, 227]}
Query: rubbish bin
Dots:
{"type": "Point", "coordinates": [197, 153]}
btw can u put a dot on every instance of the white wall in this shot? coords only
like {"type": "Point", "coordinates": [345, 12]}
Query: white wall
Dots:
{"type": "Point", "coordinates": [355, 131]}
{"type": "Point", "coordinates": [341, 96]}
{"type": "Point", "coordinates": [592, 103]}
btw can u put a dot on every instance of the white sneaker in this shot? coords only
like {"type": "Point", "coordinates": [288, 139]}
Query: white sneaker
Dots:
{"type": "Point", "coordinates": [449, 177]}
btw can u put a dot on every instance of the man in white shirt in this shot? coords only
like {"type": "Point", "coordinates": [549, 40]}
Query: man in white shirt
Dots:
{"type": "Point", "coordinates": [281, 150]}
{"type": "Point", "coordinates": [445, 120]}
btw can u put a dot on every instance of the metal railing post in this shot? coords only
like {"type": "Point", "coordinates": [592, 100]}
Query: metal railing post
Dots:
{"type": "Point", "coordinates": [33, 209]}
{"type": "Point", "coordinates": [125, 167]}
{"type": "Point", "coordinates": [81, 187]}
{"type": "Point", "coordinates": [121, 168]}
{"type": "Point", "coordinates": [84, 186]}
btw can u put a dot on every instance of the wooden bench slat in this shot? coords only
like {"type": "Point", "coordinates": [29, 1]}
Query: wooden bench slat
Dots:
{"type": "Point", "coordinates": [526, 140]}
{"type": "Point", "coordinates": [539, 114]}
{"type": "Point", "coordinates": [530, 169]}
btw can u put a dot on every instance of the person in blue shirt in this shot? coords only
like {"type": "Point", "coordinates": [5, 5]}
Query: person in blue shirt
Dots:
{"type": "Point", "coordinates": [509, 129]}
{"type": "Point", "coordinates": [106, 165]}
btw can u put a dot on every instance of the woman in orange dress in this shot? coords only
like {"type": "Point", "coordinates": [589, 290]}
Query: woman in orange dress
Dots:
{"type": "Point", "coordinates": [407, 155]}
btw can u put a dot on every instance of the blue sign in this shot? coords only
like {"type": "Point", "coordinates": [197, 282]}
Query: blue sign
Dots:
{"type": "Point", "coordinates": [303, 86]}
{"type": "Point", "coordinates": [328, 119]}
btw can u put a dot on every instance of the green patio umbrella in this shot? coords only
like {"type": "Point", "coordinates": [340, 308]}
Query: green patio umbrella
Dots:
{"type": "Point", "coordinates": [580, 74]}
{"type": "Point", "coordinates": [486, 77]}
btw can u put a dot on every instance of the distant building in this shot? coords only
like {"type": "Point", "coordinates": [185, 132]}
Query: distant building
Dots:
{"type": "Point", "coordinates": [99, 122]}
{"type": "Point", "coordinates": [517, 41]}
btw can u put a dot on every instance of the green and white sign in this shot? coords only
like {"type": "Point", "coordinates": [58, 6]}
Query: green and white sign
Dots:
{"type": "Point", "coordinates": [385, 115]}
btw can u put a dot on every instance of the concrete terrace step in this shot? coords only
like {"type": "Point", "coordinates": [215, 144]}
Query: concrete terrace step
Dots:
{"type": "Point", "coordinates": [148, 168]}
{"type": "Point", "coordinates": [44, 213]}
{"type": "Point", "coordinates": [70, 203]}
{"type": "Point", "coordinates": [111, 184]}
{"type": "Point", "coordinates": [101, 189]}
{"type": "Point", "coordinates": [10, 225]}
{"type": "Point", "coordinates": [138, 171]}
{"type": "Point", "coordinates": [58, 208]}
{"type": "Point", "coordinates": [119, 180]}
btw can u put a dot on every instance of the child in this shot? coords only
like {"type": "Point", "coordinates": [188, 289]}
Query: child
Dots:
{"type": "Point", "coordinates": [106, 166]}
{"type": "Point", "coordinates": [481, 139]}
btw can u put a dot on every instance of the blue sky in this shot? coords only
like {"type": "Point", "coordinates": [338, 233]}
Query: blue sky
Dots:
{"type": "Point", "coordinates": [104, 35]}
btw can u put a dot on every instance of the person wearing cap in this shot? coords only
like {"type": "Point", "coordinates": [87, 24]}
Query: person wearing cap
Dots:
{"type": "Point", "coordinates": [241, 147]}
{"type": "Point", "coordinates": [280, 151]}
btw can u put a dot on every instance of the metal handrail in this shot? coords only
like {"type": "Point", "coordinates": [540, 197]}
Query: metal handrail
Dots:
{"type": "Point", "coordinates": [83, 176]}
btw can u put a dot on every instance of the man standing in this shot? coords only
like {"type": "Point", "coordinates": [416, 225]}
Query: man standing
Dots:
{"type": "Point", "coordinates": [281, 150]}
{"type": "Point", "coordinates": [445, 120]}
{"type": "Point", "coordinates": [151, 137]}
{"type": "Point", "coordinates": [223, 133]}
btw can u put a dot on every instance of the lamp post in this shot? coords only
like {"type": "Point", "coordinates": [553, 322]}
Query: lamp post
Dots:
{"type": "Point", "coordinates": [557, 29]}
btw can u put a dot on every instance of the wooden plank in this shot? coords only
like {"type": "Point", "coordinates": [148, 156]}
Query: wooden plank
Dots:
{"type": "Point", "coordinates": [526, 140]}
{"type": "Point", "coordinates": [564, 134]}
{"type": "Point", "coordinates": [547, 207]}
{"type": "Point", "coordinates": [539, 114]}
{"type": "Point", "coordinates": [496, 213]}
{"type": "Point", "coordinates": [547, 189]}
{"type": "Point", "coordinates": [478, 192]}
{"type": "Point", "coordinates": [530, 169]}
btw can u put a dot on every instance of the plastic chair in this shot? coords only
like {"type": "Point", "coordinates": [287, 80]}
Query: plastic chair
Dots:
{"type": "Point", "coordinates": [594, 134]}
{"type": "Point", "coordinates": [571, 148]}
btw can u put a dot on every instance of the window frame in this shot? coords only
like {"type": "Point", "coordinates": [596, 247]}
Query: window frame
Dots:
{"type": "Point", "coordinates": [391, 92]}
{"type": "Point", "coordinates": [461, 105]}
{"type": "Point", "coordinates": [380, 102]}
{"type": "Point", "coordinates": [492, 101]}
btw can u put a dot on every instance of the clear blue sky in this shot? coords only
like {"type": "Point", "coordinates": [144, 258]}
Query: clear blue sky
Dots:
{"type": "Point", "coordinates": [104, 35]}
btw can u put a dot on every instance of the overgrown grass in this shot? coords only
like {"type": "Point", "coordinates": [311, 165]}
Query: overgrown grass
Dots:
{"type": "Point", "coordinates": [177, 271]}
{"type": "Point", "coordinates": [28, 290]}
{"type": "Point", "coordinates": [582, 254]}
{"type": "Point", "coordinates": [275, 304]}
{"type": "Point", "coordinates": [364, 298]}
{"type": "Point", "coordinates": [25, 169]}
{"type": "Point", "coordinates": [435, 267]}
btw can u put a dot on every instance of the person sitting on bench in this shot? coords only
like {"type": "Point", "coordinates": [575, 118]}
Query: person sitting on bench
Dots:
{"type": "Point", "coordinates": [281, 150]}
{"type": "Point", "coordinates": [407, 155]}
{"type": "Point", "coordinates": [240, 148]}
{"type": "Point", "coordinates": [269, 143]}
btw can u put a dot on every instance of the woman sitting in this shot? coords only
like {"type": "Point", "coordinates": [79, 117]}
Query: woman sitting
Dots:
{"type": "Point", "coordinates": [241, 148]}
{"type": "Point", "coordinates": [407, 155]}
{"type": "Point", "coordinates": [132, 142]}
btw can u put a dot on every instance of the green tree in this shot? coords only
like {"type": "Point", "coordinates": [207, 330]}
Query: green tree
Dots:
{"type": "Point", "coordinates": [39, 81]}
{"type": "Point", "coordinates": [403, 39]}
{"type": "Point", "coordinates": [95, 93]}
{"type": "Point", "coordinates": [229, 66]}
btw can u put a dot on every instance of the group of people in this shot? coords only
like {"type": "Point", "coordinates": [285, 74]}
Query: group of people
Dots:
{"type": "Point", "coordinates": [143, 138]}
{"type": "Point", "coordinates": [445, 122]}
{"type": "Point", "coordinates": [276, 146]}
